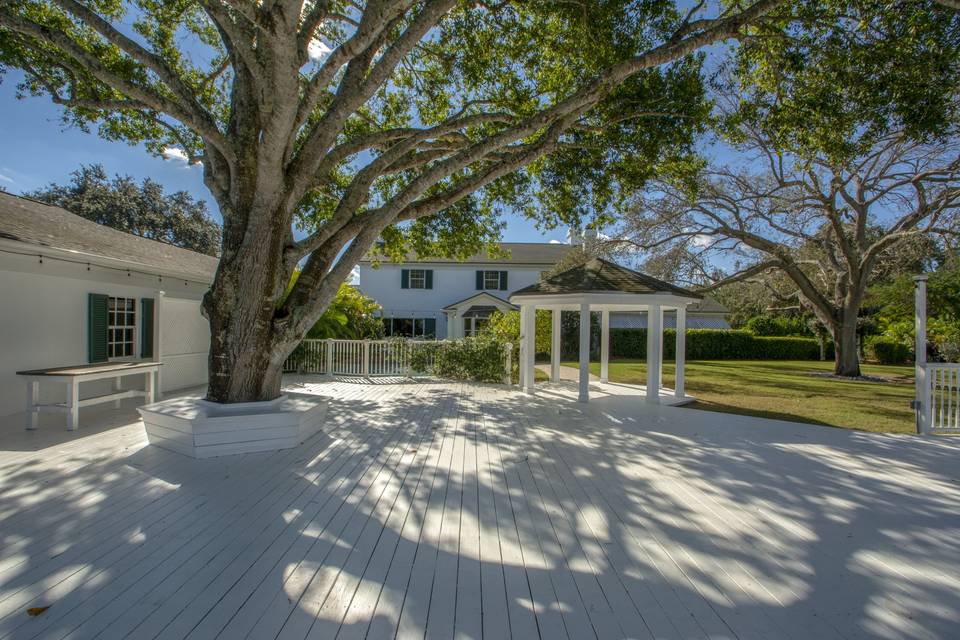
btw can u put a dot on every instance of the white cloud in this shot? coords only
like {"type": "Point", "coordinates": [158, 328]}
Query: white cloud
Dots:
{"type": "Point", "coordinates": [354, 276]}
{"type": "Point", "coordinates": [702, 240]}
{"type": "Point", "coordinates": [175, 154]}
{"type": "Point", "coordinates": [317, 50]}
{"type": "Point", "coordinates": [555, 242]}
{"type": "Point", "coordinates": [4, 178]}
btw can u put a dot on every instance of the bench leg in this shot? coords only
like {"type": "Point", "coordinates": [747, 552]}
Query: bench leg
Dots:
{"type": "Point", "coordinates": [73, 408]}
{"type": "Point", "coordinates": [33, 396]}
{"type": "Point", "coordinates": [117, 388]}
{"type": "Point", "coordinates": [151, 387]}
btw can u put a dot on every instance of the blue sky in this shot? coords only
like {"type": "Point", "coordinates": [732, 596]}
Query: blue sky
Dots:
{"type": "Point", "coordinates": [37, 150]}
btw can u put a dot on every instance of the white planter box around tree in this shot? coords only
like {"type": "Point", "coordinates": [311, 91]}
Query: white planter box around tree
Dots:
{"type": "Point", "coordinates": [201, 429]}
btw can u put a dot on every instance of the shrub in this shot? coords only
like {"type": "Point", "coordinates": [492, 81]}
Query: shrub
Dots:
{"type": "Point", "coordinates": [886, 351]}
{"type": "Point", "coordinates": [781, 325]}
{"type": "Point", "coordinates": [716, 344]}
{"type": "Point", "coordinates": [480, 359]}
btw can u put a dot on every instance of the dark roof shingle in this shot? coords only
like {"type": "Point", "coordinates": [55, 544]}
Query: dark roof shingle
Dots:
{"type": "Point", "coordinates": [601, 276]}
{"type": "Point", "coordinates": [45, 225]}
{"type": "Point", "coordinates": [540, 253]}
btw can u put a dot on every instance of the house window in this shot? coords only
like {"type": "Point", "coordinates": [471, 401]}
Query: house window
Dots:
{"type": "Point", "coordinates": [410, 327]}
{"type": "Point", "coordinates": [491, 280]}
{"type": "Point", "coordinates": [418, 278]}
{"type": "Point", "coordinates": [121, 327]}
{"type": "Point", "coordinates": [472, 326]}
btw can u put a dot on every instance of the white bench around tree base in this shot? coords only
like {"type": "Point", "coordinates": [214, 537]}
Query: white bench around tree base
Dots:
{"type": "Point", "coordinates": [74, 375]}
{"type": "Point", "coordinates": [201, 429]}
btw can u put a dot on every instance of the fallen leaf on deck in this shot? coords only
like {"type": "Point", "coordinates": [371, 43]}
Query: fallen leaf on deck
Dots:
{"type": "Point", "coordinates": [33, 612]}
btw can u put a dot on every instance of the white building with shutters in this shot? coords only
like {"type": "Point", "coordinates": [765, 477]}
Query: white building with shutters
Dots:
{"type": "Point", "coordinates": [445, 298]}
{"type": "Point", "coordinates": [75, 292]}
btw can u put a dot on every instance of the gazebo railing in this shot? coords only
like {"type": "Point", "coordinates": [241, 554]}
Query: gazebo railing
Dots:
{"type": "Point", "coordinates": [943, 397]}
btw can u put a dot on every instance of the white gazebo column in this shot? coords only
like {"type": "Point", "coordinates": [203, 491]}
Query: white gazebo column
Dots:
{"type": "Point", "coordinates": [522, 362]}
{"type": "Point", "coordinates": [584, 380]}
{"type": "Point", "coordinates": [528, 343]}
{"type": "Point", "coordinates": [604, 345]}
{"type": "Point", "coordinates": [921, 385]}
{"type": "Point", "coordinates": [681, 351]}
{"type": "Point", "coordinates": [654, 355]}
{"type": "Point", "coordinates": [555, 345]}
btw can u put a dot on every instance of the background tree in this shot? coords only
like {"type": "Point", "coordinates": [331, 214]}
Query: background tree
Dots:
{"type": "Point", "coordinates": [141, 209]}
{"type": "Point", "coordinates": [407, 119]}
{"type": "Point", "coordinates": [830, 228]}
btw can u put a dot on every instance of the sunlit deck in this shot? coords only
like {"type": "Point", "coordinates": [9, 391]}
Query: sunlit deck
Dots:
{"type": "Point", "coordinates": [464, 510]}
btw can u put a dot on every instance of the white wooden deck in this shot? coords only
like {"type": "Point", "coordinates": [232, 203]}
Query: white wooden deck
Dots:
{"type": "Point", "coordinates": [448, 510]}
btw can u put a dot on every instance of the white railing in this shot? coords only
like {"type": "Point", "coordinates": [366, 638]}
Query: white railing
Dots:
{"type": "Point", "coordinates": [359, 358]}
{"type": "Point", "coordinates": [943, 397]}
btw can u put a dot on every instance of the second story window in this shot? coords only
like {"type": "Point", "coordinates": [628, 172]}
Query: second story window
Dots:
{"type": "Point", "coordinates": [492, 280]}
{"type": "Point", "coordinates": [416, 279]}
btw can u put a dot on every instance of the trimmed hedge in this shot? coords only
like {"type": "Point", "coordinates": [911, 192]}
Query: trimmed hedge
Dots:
{"type": "Point", "coordinates": [480, 359]}
{"type": "Point", "coordinates": [886, 351]}
{"type": "Point", "coordinates": [716, 344]}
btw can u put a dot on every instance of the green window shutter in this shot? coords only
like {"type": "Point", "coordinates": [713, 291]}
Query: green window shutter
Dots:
{"type": "Point", "coordinates": [97, 327]}
{"type": "Point", "coordinates": [503, 281]}
{"type": "Point", "coordinates": [429, 278]}
{"type": "Point", "coordinates": [430, 328]}
{"type": "Point", "coordinates": [405, 278]}
{"type": "Point", "coordinates": [479, 280]}
{"type": "Point", "coordinates": [146, 327]}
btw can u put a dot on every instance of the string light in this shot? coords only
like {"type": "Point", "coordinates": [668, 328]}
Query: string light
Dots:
{"type": "Point", "coordinates": [130, 272]}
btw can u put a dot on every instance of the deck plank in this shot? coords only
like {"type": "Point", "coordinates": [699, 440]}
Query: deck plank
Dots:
{"type": "Point", "coordinates": [471, 511]}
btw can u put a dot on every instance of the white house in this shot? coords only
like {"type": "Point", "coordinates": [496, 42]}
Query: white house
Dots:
{"type": "Point", "coordinates": [445, 298]}
{"type": "Point", "coordinates": [76, 292]}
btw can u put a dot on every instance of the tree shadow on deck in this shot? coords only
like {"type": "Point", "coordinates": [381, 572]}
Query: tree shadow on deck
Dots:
{"type": "Point", "coordinates": [611, 519]}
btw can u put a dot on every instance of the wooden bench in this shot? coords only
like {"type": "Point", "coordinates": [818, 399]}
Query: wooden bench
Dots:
{"type": "Point", "coordinates": [73, 376]}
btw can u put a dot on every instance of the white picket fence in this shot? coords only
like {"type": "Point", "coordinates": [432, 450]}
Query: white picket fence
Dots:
{"type": "Point", "coordinates": [361, 358]}
{"type": "Point", "coordinates": [943, 397]}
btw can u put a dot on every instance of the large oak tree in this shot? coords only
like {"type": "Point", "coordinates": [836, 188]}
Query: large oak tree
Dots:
{"type": "Point", "coordinates": [402, 119]}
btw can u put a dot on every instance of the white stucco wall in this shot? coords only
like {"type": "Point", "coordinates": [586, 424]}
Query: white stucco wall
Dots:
{"type": "Point", "coordinates": [43, 322]}
{"type": "Point", "coordinates": [451, 283]}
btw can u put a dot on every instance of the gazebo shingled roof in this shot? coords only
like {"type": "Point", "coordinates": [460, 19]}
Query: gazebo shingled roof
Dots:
{"type": "Point", "coordinates": [598, 275]}
{"type": "Point", "coordinates": [601, 285]}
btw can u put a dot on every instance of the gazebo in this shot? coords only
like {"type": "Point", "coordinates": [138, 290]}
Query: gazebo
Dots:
{"type": "Point", "coordinates": [601, 285]}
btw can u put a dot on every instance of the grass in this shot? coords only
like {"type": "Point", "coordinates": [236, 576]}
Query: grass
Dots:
{"type": "Point", "coordinates": [789, 390]}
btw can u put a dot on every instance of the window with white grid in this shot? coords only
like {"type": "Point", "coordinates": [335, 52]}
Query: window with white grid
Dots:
{"type": "Point", "coordinates": [121, 327]}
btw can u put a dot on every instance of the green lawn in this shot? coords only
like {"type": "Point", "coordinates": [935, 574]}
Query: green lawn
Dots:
{"type": "Point", "coordinates": [787, 390]}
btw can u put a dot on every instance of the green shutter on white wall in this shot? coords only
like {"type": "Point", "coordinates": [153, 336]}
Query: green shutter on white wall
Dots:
{"type": "Point", "coordinates": [479, 280]}
{"type": "Point", "coordinates": [428, 277]}
{"type": "Point", "coordinates": [405, 278]}
{"type": "Point", "coordinates": [146, 327]}
{"type": "Point", "coordinates": [97, 327]}
{"type": "Point", "coordinates": [503, 280]}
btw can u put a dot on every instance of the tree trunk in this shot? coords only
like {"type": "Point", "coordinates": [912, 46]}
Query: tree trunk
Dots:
{"type": "Point", "coordinates": [846, 361]}
{"type": "Point", "coordinates": [246, 351]}
{"type": "Point", "coordinates": [242, 364]}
